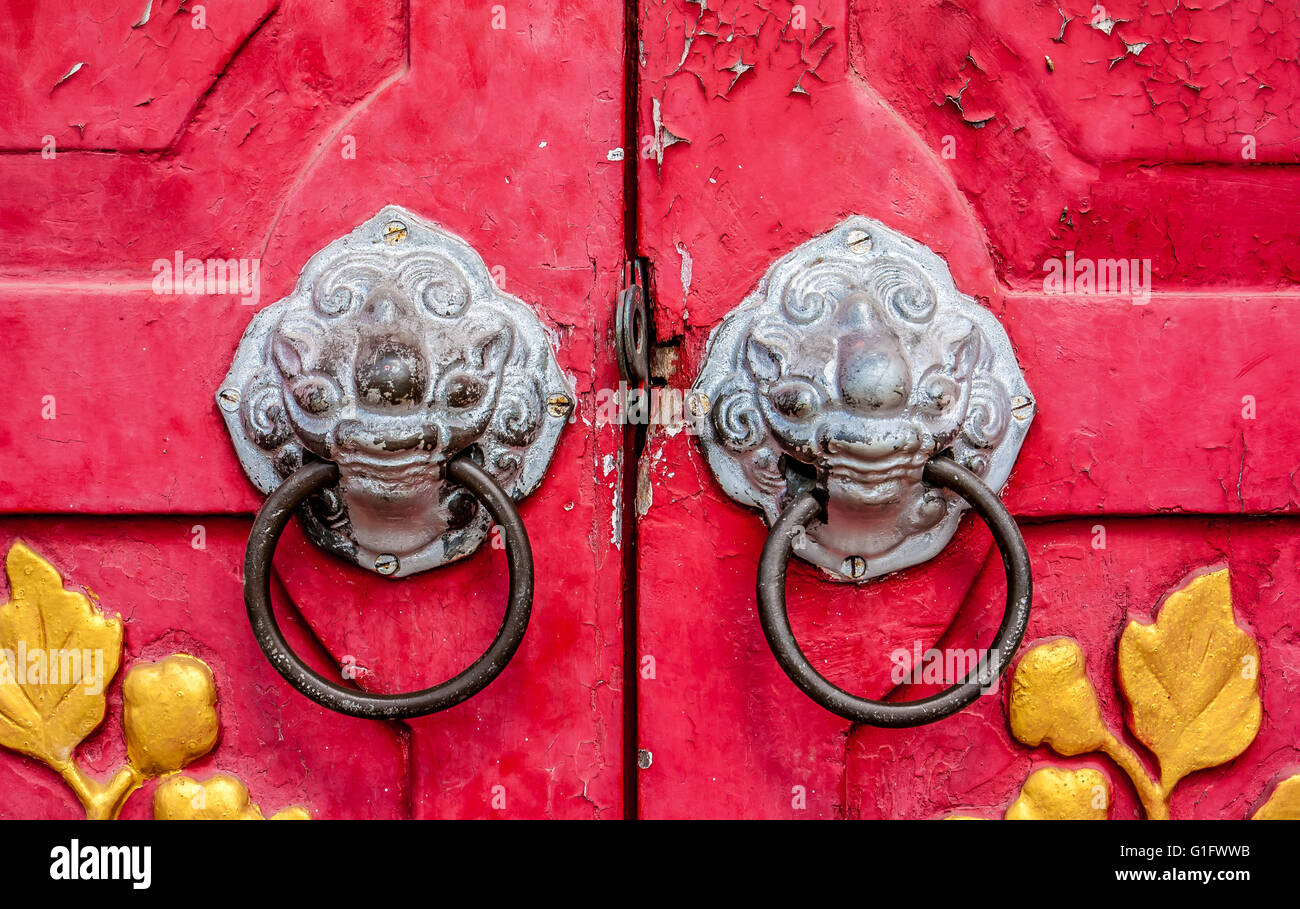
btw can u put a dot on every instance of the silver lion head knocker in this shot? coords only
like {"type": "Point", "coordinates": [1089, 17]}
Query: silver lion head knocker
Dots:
{"type": "Point", "coordinates": [853, 363]}
{"type": "Point", "coordinates": [861, 403]}
{"type": "Point", "coordinates": [395, 352]}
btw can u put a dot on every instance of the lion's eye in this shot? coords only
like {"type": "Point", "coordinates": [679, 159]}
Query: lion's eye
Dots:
{"type": "Point", "coordinates": [465, 391]}
{"type": "Point", "coordinates": [797, 400]}
{"type": "Point", "coordinates": [316, 394]}
{"type": "Point", "coordinates": [337, 301]}
{"type": "Point", "coordinates": [938, 392]}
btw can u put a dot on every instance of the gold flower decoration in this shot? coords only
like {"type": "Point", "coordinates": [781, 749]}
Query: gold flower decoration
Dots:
{"type": "Point", "coordinates": [58, 653]}
{"type": "Point", "coordinates": [170, 713]}
{"type": "Point", "coordinates": [1191, 681]}
{"type": "Point", "coordinates": [1054, 794]}
{"type": "Point", "coordinates": [222, 797]}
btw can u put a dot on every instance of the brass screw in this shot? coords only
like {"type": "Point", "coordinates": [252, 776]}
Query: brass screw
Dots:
{"type": "Point", "coordinates": [395, 232]}
{"type": "Point", "coordinates": [1022, 407]}
{"type": "Point", "coordinates": [854, 567]}
{"type": "Point", "coordinates": [228, 398]}
{"type": "Point", "coordinates": [859, 241]}
{"type": "Point", "coordinates": [386, 564]}
{"type": "Point", "coordinates": [698, 403]}
{"type": "Point", "coordinates": [559, 405]}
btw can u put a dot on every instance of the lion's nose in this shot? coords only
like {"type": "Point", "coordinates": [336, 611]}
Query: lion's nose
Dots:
{"type": "Point", "coordinates": [390, 370]}
{"type": "Point", "coordinates": [390, 374]}
{"type": "Point", "coordinates": [871, 368]}
{"type": "Point", "coordinates": [873, 376]}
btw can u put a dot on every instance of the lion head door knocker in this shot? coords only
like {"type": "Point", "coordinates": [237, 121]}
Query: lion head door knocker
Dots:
{"type": "Point", "coordinates": [400, 402]}
{"type": "Point", "coordinates": [860, 402]}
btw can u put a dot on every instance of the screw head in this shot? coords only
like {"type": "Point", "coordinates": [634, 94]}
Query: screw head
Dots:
{"type": "Point", "coordinates": [559, 405]}
{"type": "Point", "coordinates": [1022, 407]}
{"type": "Point", "coordinates": [395, 232]}
{"type": "Point", "coordinates": [858, 241]}
{"type": "Point", "coordinates": [228, 398]}
{"type": "Point", "coordinates": [386, 564]}
{"type": "Point", "coordinates": [697, 403]}
{"type": "Point", "coordinates": [854, 567]}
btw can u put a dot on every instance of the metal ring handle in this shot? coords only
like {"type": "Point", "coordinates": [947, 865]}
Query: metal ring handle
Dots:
{"type": "Point", "coordinates": [939, 471]}
{"type": "Point", "coordinates": [270, 523]}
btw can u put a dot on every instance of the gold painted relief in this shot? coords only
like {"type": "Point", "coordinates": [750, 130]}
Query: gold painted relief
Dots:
{"type": "Point", "coordinates": [58, 653]}
{"type": "Point", "coordinates": [1191, 683]}
{"type": "Point", "coordinates": [1054, 794]}
{"type": "Point", "coordinates": [1284, 804]}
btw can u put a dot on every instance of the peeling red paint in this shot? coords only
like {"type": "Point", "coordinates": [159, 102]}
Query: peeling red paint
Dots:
{"type": "Point", "coordinates": [1166, 139]}
{"type": "Point", "coordinates": [1141, 407]}
{"type": "Point", "coordinates": [502, 135]}
{"type": "Point", "coordinates": [1000, 135]}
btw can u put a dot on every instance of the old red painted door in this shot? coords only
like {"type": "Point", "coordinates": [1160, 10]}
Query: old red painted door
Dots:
{"type": "Point", "coordinates": [1026, 143]}
{"type": "Point", "coordinates": [257, 133]}
{"type": "Point", "coordinates": [1020, 151]}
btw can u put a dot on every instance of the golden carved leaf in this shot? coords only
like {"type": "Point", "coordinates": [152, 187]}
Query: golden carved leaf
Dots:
{"type": "Point", "coordinates": [222, 797]}
{"type": "Point", "coordinates": [1056, 794]}
{"type": "Point", "coordinates": [1192, 680]}
{"type": "Point", "coordinates": [1283, 804]}
{"type": "Point", "coordinates": [1053, 701]}
{"type": "Point", "coordinates": [57, 654]}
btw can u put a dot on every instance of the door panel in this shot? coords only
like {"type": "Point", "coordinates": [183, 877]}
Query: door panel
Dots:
{"type": "Point", "coordinates": [300, 126]}
{"type": "Point", "coordinates": [769, 126]}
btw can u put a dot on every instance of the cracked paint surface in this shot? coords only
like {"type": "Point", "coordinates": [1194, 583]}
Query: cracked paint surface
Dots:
{"type": "Point", "coordinates": [252, 166]}
{"type": "Point", "coordinates": [1063, 137]}
{"type": "Point", "coordinates": [101, 75]}
{"type": "Point", "coordinates": [1167, 127]}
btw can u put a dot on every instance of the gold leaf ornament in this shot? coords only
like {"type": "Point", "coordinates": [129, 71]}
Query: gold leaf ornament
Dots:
{"type": "Point", "coordinates": [1192, 680]}
{"type": "Point", "coordinates": [50, 702]}
{"type": "Point", "coordinates": [1283, 804]}
{"type": "Point", "coordinates": [1053, 701]}
{"type": "Point", "coordinates": [48, 705]}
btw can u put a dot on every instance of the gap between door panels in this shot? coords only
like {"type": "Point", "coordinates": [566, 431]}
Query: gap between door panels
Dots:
{"type": "Point", "coordinates": [634, 434]}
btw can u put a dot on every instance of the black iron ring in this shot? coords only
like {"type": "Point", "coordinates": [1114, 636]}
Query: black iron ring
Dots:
{"type": "Point", "coordinates": [939, 471]}
{"type": "Point", "coordinates": [270, 523]}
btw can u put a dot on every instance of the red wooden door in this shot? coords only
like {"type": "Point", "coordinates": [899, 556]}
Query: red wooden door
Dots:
{"type": "Point", "coordinates": [261, 132]}
{"type": "Point", "coordinates": [1023, 143]}
{"type": "Point", "coordinates": [1018, 141]}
